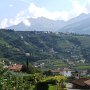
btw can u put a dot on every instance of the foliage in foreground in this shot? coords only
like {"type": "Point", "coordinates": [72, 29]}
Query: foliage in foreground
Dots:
{"type": "Point", "coordinates": [12, 81]}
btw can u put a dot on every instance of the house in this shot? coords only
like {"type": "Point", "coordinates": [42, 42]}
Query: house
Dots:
{"type": "Point", "coordinates": [80, 73]}
{"type": "Point", "coordinates": [63, 71]}
{"type": "Point", "coordinates": [15, 67]}
{"type": "Point", "coordinates": [82, 61]}
{"type": "Point", "coordinates": [5, 66]}
{"type": "Point", "coordinates": [87, 82]}
{"type": "Point", "coordinates": [39, 65]}
{"type": "Point", "coordinates": [66, 72]}
{"type": "Point", "coordinates": [82, 83]}
{"type": "Point", "coordinates": [71, 62]}
{"type": "Point", "coordinates": [83, 72]}
{"type": "Point", "coordinates": [56, 71]}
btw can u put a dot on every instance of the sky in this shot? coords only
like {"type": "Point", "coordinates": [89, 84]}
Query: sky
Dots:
{"type": "Point", "coordinates": [13, 12]}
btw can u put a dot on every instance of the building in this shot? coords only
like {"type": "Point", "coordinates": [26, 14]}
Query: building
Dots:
{"type": "Point", "coordinates": [15, 67]}
{"type": "Point", "coordinates": [64, 71]}
{"type": "Point", "coordinates": [83, 72]}
{"type": "Point", "coordinates": [56, 71]}
{"type": "Point", "coordinates": [82, 83]}
{"type": "Point", "coordinates": [87, 82]}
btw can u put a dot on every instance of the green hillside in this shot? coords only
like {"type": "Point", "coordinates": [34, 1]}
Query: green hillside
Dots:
{"type": "Point", "coordinates": [43, 45]}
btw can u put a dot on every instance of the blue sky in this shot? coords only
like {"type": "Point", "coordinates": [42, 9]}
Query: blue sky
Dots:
{"type": "Point", "coordinates": [13, 12]}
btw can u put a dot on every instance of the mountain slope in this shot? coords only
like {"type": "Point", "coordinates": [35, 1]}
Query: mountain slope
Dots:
{"type": "Point", "coordinates": [81, 17]}
{"type": "Point", "coordinates": [79, 24]}
{"type": "Point", "coordinates": [39, 24]}
{"type": "Point", "coordinates": [43, 45]}
{"type": "Point", "coordinates": [81, 27]}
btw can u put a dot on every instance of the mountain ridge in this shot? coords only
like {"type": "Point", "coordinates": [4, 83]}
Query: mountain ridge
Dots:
{"type": "Point", "coordinates": [81, 27]}
{"type": "Point", "coordinates": [38, 24]}
{"type": "Point", "coordinates": [44, 24]}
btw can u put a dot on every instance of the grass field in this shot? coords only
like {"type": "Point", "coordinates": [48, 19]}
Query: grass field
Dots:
{"type": "Point", "coordinates": [52, 87]}
{"type": "Point", "coordinates": [83, 67]}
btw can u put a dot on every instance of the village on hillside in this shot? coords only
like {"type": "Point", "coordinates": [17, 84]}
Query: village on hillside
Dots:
{"type": "Point", "coordinates": [75, 79]}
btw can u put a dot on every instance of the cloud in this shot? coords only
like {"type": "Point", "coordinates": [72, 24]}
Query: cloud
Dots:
{"type": "Point", "coordinates": [4, 23]}
{"type": "Point", "coordinates": [34, 11]}
{"type": "Point", "coordinates": [25, 1]}
{"type": "Point", "coordinates": [18, 18]}
{"type": "Point", "coordinates": [10, 5]}
{"type": "Point", "coordinates": [78, 8]}
{"type": "Point", "coordinates": [26, 22]}
{"type": "Point", "coordinates": [88, 5]}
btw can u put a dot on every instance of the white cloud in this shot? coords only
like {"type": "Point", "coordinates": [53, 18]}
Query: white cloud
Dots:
{"type": "Point", "coordinates": [34, 11]}
{"type": "Point", "coordinates": [4, 23]}
{"type": "Point", "coordinates": [88, 1]}
{"type": "Point", "coordinates": [26, 22]}
{"type": "Point", "coordinates": [26, 1]}
{"type": "Point", "coordinates": [78, 8]}
{"type": "Point", "coordinates": [20, 17]}
{"type": "Point", "coordinates": [10, 5]}
{"type": "Point", "coordinates": [88, 5]}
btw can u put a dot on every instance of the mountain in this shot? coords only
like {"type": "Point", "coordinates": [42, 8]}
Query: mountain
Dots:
{"type": "Point", "coordinates": [20, 27]}
{"type": "Point", "coordinates": [81, 27]}
{"type": "Point", "coordinates": [78, 18]}
{"type": "Point", "coordinates": [43, 45]}
{"type": "Point", "coordinates": [80, 24]}
{"type": "Point", "coordinates": [39, 24]}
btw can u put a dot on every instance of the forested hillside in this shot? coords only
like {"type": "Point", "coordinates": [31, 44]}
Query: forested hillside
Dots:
{"type": "Point", "coordinates": [43, 45]}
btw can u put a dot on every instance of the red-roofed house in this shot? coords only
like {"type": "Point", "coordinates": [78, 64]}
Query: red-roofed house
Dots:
{"type": "Point", "coordinates": [82, 83]}
{"type": "Point", "coordinates": [15, 67]}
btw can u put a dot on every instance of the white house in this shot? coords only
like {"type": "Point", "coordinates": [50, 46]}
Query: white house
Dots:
{"type": "Point", "coordinates": [66, 72]}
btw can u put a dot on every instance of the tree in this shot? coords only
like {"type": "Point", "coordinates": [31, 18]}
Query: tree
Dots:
{"type": "Point", "coordinates": [48, 73]}
{"type": "Point", "coordinates": [31, 69]}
